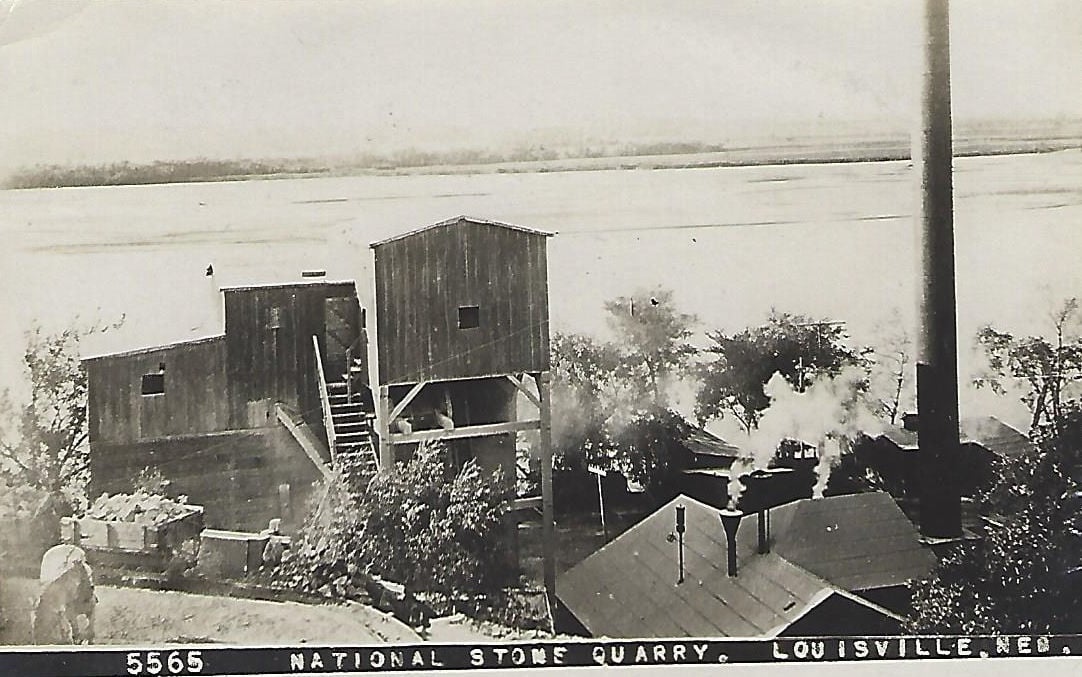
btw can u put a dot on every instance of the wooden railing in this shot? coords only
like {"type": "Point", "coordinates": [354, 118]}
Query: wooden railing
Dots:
{"type": "Point", "coordinates": [328, 420]}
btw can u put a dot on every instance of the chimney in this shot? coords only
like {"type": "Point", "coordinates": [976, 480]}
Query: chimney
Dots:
{"type": "Point", "coordinates": [764, 530]}
{"type": "Point", "coordinates": [937, 349]}
{"type": "Point", "coordinates": [217, 298]}
{"type": "Point", "coordinates": [730, 521]}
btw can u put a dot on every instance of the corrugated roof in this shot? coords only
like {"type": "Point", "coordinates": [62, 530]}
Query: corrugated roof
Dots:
{"type": "Point", "coordinates": [629, 588]}
{"type": "Point", "coordinates": [987, 431]}
{"type": "Point", "coordinates": [457, 220]}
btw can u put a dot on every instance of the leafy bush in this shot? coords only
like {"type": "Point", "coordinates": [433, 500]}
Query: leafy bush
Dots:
{"type": "Point", "coordinates": [429, 526]}
{"type": "Point", "coordinates": [1024, 575]}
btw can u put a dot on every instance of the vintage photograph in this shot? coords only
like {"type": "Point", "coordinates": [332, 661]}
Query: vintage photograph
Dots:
{"type": "Point", "coordinates": [487, 324]}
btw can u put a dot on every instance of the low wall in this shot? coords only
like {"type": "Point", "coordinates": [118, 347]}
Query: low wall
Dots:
{"type": "Point", "coordinates": [243, 479]}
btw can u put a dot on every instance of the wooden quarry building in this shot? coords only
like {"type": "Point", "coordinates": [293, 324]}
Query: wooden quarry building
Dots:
{"type": "Point", "coordinates": [213, 416]}
{"type": "Point", "coordinates": [301, 380]}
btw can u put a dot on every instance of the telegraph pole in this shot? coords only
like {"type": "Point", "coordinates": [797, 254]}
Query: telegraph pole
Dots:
{"type": "Point", "coordinates": [937, 345]}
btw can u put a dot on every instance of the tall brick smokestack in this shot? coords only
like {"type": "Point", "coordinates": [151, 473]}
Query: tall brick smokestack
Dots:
{"type": "Point", "coordinates": [730, 521]}
{"type": "Point", "coordinates": [937, 345]}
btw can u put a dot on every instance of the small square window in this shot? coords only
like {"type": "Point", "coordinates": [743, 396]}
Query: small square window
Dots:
{"type": "Point", "coordinates": [153, 384]}
{"type": "Point", "coordinates": [469, 317]}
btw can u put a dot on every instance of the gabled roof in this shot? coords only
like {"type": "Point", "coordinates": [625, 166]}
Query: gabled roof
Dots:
{"type": "Point", "coordinates": [456, 221]}
{"type": "Point", "coordinates": [701, 441]}
{"type": "Point", "coordinates": [856, 541]}
{"type": "Point", "coordinates": [629, 588]}
{"type": "Point", "coordinates": [996, 436]}
{"type": "Point", "coordinates": [986, 431]}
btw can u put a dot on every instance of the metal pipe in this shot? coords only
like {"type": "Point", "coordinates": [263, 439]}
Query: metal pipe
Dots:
{"type": "Point", "coordinates": [764, 543]}
{"type": "Point", "coordinates": [937, 349]}
{"type": "Point", "coordinates": [730, 521]}
{"type": "Point", "coordinates": [680, 528]}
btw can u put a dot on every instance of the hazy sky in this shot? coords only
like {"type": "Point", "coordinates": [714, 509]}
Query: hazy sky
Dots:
{"type": "Point", "coordinates": [84, 81]}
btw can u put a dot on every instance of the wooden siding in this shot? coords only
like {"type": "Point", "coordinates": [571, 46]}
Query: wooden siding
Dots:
{"type": "Point", "coordinates": [268, 363]}
{"type": "Point", "coordinates": [194, 399]}
{"type": "Point", "coordinates": [423, 279]}
{"type": "Point", "coordinates": [236, 476]}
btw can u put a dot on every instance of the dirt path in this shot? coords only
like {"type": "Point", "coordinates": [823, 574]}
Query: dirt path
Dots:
{"type": "Point", "coordinates": [132, 616]}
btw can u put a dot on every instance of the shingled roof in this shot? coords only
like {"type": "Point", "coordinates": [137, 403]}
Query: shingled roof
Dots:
{"type": "Point", "coordinates": [822, 550]}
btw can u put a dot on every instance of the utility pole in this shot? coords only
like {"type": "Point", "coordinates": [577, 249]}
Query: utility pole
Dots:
{"type": "Point", "coordinates": [937, 344]}
{"type": "Point", "coordinates": [818, 341]}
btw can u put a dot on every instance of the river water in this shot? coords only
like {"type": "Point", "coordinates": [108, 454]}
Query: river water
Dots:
{"type": "Point", "coordinates": [831, 240]}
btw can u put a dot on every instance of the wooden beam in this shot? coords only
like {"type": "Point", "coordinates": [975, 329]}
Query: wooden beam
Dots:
{"type": "Point", "coordinates": [531, 503]}
{"type": "Point", "coordinates": [466, 431]}
{"type": "Point", "coordinates": [304, 437]}
{"type": "Point", "coordinates": [548, 524]}
{"type": "Point", "coordinates": [398, 408]}
{"type": "Point", "coordinates": [525, 391]}
{"type": "Point", "coordinates": [386, 449]}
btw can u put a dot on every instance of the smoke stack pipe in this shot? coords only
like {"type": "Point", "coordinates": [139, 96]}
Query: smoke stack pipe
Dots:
{"type": "Point", "coordinates": [937, 346]}
{"type": "Point", "coordinates": [764, 531]}
{"type": "Point", "coordinates": [730, 521]}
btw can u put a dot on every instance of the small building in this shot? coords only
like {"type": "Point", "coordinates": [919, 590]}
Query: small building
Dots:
{"type": "Point", "coordinates": [703, 449]}
{"type": "Point", "coordinates": [831, 566]}
{"type": "Point", "coordinates": [228, 419]}
{"type": "Point", "coordinates": [893, 454]}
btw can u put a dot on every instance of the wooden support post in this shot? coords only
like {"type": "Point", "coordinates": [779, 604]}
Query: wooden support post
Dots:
{"type": "Point", "coordinates": [548, 527]}
{"type": "Point", "coordinates": [386, 449]}
{"type": "Point", "coordinates": [401, 406]}
{"type": "Point", "coordinates": [521, 385]}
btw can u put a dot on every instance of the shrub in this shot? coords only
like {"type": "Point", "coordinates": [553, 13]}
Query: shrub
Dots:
{"type": "Point", "coordinates": [429, 526]}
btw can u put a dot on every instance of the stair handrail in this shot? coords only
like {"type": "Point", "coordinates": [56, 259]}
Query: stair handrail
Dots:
{"type": "Point", "coordinates": [325, 402]}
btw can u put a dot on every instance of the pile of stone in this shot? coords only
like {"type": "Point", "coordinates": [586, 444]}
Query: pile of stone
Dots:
{"type": "Point", "coordinates": [141, 508]}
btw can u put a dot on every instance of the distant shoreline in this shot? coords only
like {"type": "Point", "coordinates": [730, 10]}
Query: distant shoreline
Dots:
{"type": "Point", "coordinates": [204, 171]}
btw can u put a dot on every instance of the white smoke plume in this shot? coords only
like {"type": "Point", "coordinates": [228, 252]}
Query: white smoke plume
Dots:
{"type": "Point", "coordinates": [829, 415]}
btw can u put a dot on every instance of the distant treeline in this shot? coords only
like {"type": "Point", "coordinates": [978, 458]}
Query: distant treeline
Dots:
{"type": "Point", "coordinates": [810, 146]}
{"type": "Point", "coordinates": [187, 171]}
{"type": "Point", "coordinates": [126, 173]}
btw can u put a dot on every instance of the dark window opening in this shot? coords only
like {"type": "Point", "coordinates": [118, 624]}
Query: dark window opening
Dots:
{"type": "Point", "coordinates": [153, 384]}
{"type": "Point", "coordinates": [469, 317]}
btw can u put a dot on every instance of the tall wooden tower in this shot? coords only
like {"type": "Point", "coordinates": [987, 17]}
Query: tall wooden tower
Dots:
{"type": "Point", "coordinates": [461, 331]}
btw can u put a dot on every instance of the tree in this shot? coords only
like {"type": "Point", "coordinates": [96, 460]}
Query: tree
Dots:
{"type": "Point", "coordinates": [1048, 369]}
{"type": "Point", "coordinates": [611, 404]}
{"type": "Point", "coordinates": [890, 371]}
{"type": "Point", "coordinates": [1025, 575]}
{"type": "Point", "coordinates": [645, 449]}
{"type": "Point", "coordinates": [586, 390]}
{"type": "Point", "coordinates": [47, 445]}
{"type": "Point", "coordinates": [798, 348]}
{"type": "Point", "coordinates": [653, 337]}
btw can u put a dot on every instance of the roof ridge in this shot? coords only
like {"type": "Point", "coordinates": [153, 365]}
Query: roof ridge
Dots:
{"type": "Point", "coordinates": [459, 219]}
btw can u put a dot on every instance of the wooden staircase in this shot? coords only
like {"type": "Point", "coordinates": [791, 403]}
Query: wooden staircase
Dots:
{"type": "Point", "coordinates": [354, 446]}
{"type": "Point", "coordinates": [348, 419]}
